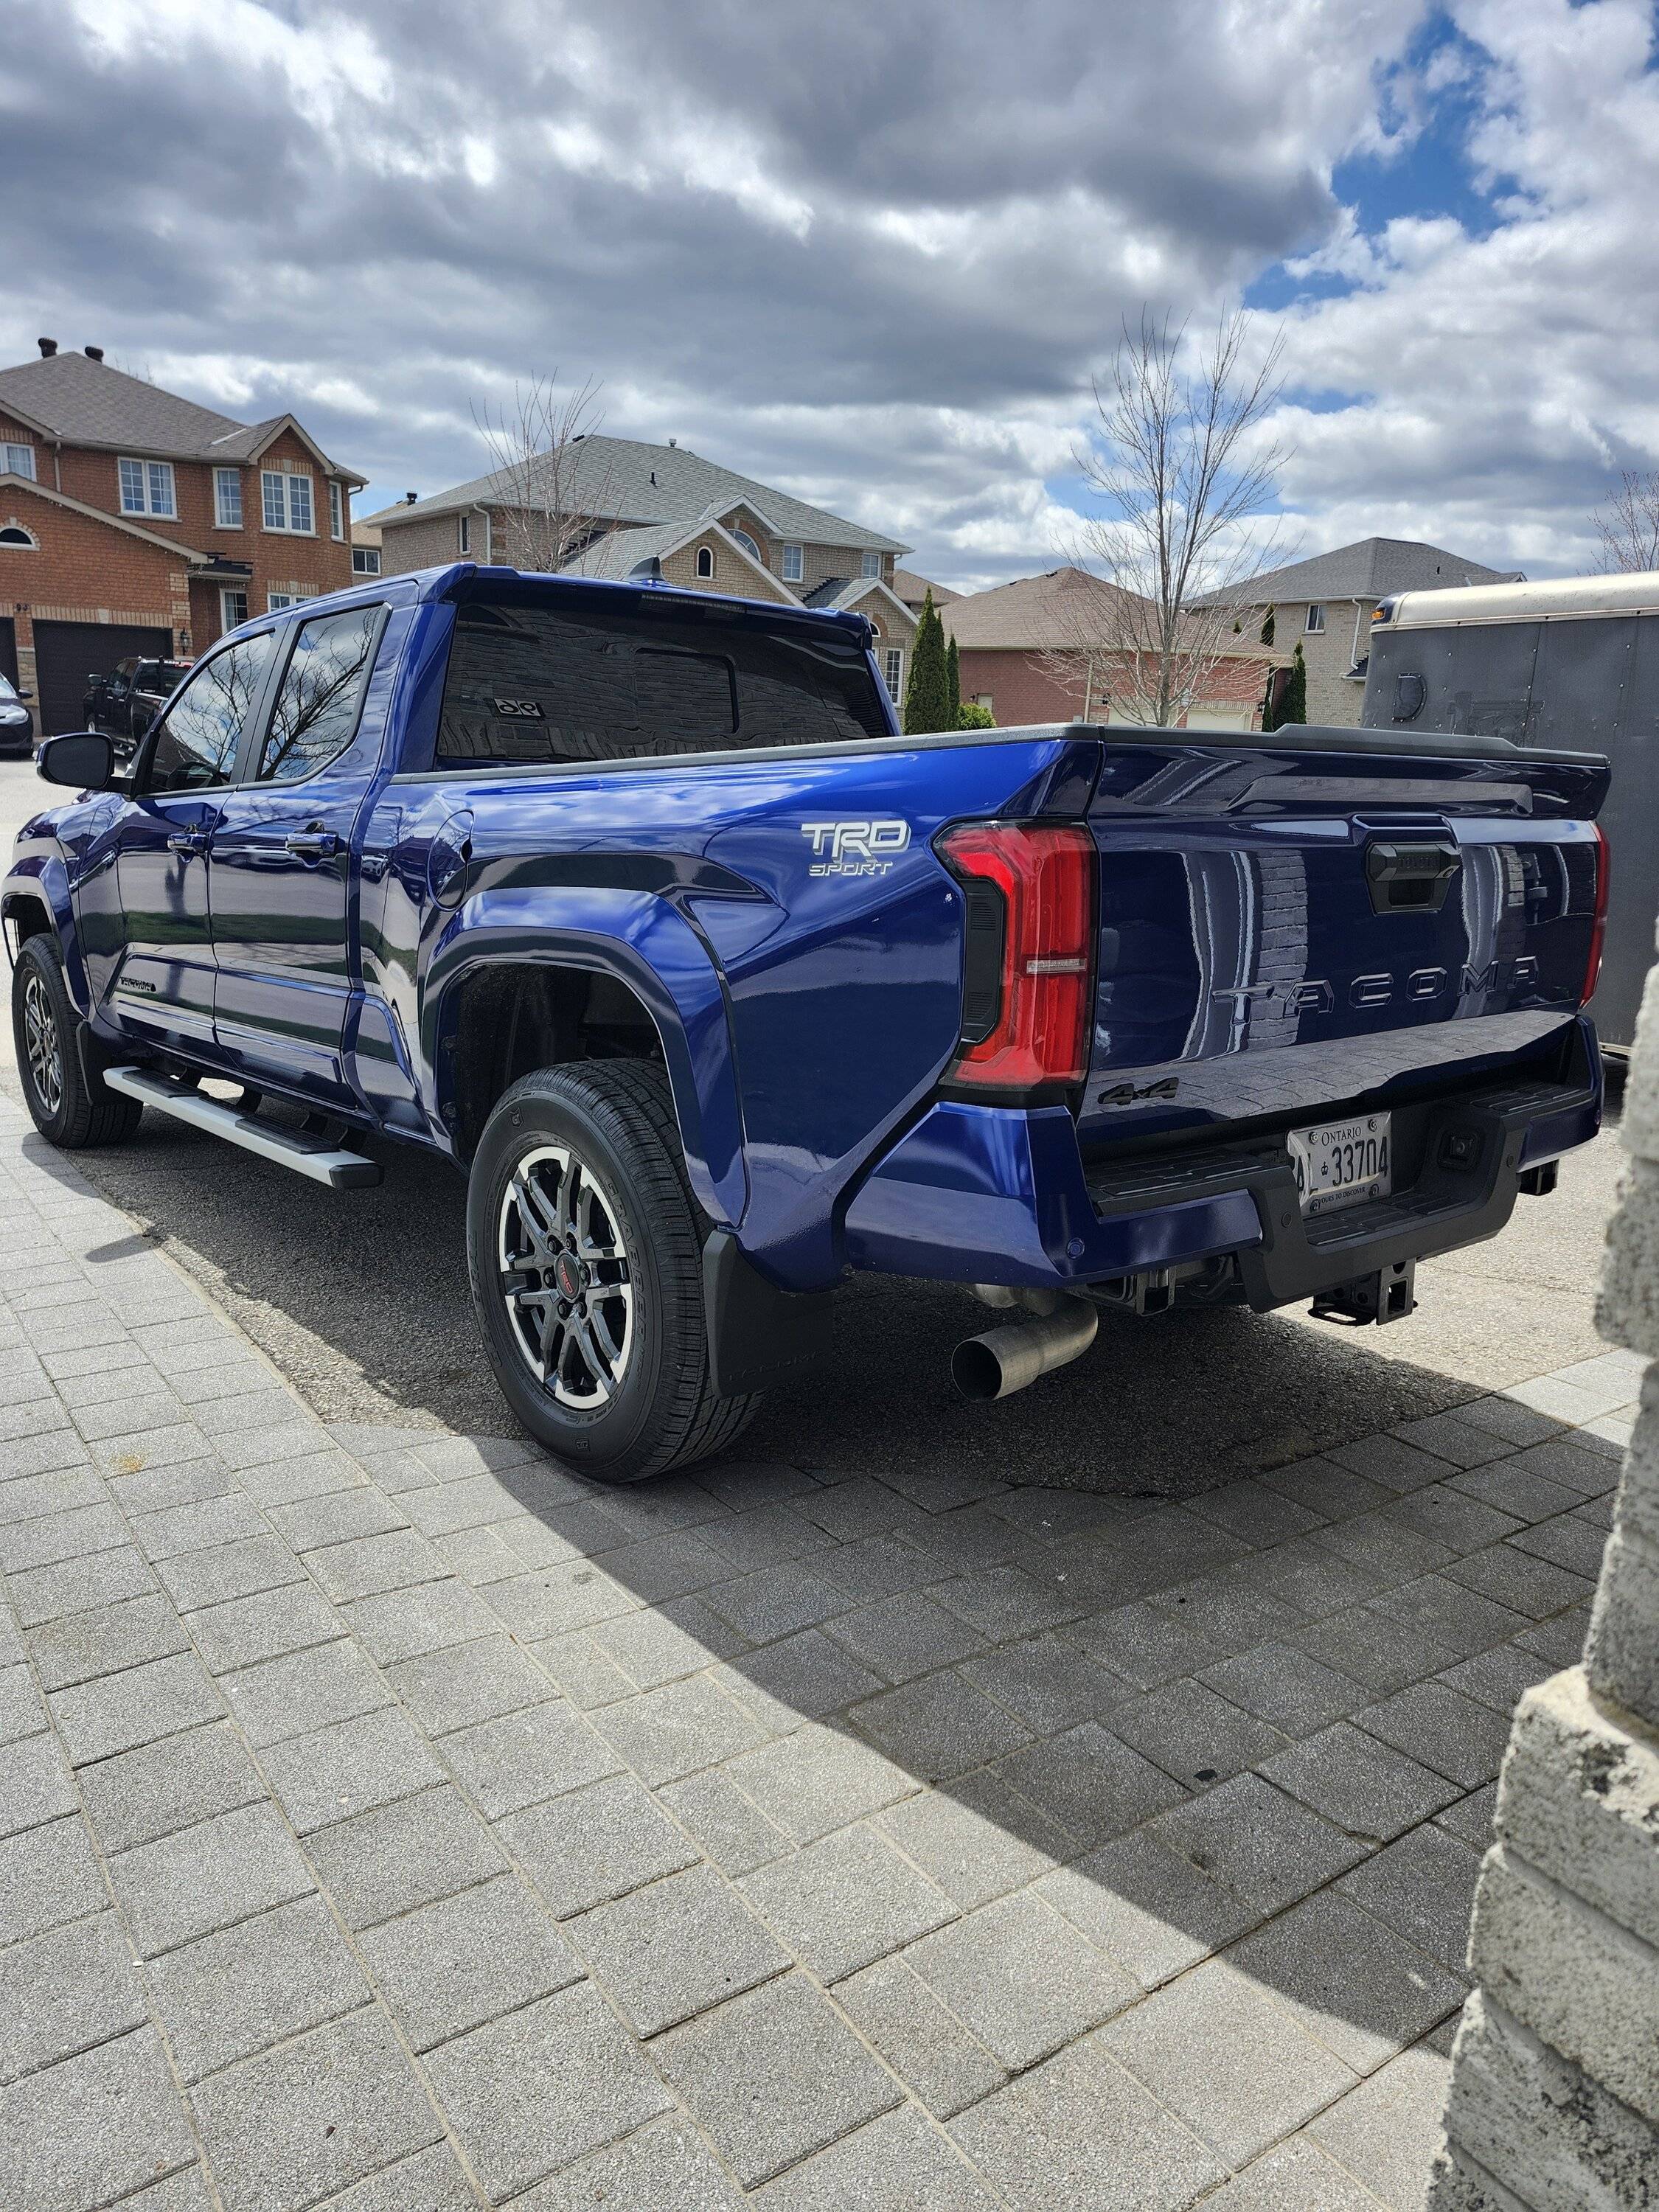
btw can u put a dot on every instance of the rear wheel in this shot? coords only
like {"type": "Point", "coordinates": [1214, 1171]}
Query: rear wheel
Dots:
{"type": "Point", "coordinates": [69, 1108]}
{"type": "Point", "coordinates": [584, 1248]}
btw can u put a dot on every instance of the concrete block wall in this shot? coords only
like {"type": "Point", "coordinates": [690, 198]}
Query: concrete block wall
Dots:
{"type": "Point", "coordinates": [1554, 2098]}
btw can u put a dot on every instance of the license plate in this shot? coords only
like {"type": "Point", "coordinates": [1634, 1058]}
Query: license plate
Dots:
{"type": "Point", "coordinates": [1340, 1163]}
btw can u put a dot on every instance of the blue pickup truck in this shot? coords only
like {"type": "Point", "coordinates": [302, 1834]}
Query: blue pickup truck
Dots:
{"type": "Point", "coordinates": [633, 903]}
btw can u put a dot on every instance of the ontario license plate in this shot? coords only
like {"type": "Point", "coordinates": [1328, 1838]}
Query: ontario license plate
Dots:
{"type": "Point", "coordinates": [1340, 1163]}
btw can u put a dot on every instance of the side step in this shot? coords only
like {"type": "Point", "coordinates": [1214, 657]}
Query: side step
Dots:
{"type": "Point", "coordinates": [316, 1157]}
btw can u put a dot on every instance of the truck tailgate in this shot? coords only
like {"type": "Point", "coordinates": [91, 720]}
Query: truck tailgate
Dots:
{"type": "Point", "coordinates": [1283, 932]}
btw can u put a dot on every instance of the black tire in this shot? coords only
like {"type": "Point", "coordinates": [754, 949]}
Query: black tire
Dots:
{"type": "Point", "coordinates": [647, 1355]}
{"type": "Point", "coordinates": [68, 1110]}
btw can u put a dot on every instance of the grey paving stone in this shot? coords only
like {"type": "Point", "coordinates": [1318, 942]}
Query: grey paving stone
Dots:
{"type": "Point", "coordinates": [374, 1564]}
{"type": "Point", "coordinates": [1506, 1418]}
{"type": "Point", "coordinates": [167, 1785]}
{"type": "Point", "coordinates": [266, 1625]}
{"type": "Point", "coordinates": [21, 1711]}
{"type": "Point", "coordinates": [397, 1857]}
{"type": "Point", "coordinates": [582, 1672]}
{"type": "Point", "coordinates": [206, 1877]}
{"type": "Point", "coordinates": [764, 1534]}
{"type": "Point", "coordinates": [431, 2181]}
{"type": "Point", "coordinates": [1570, 1461]}
{"type": "Point", "coordinates": [1050, 1685]}
{"type": "Point", "coordinates": [727, 1828]}
{"type": "Point", "coordinates": [119, 1712]}
{"type": "Point", "coordinates": [64, 1992]}
{"type": "Point", "coordinates": [978, 1840]}
{"type": "Point", "coordinates": [41, 1454]}
{"type": "Point", "coordinates": [1389, 2128]}
{"type": "Point", "coordinates": [77, 1585]}
{"type": "Point", "coordinates": [1397, 1465]}
{"type": "Point", "coordinates": [1365, 1787]}
{"type": "Point", "coordinates": [532, 2093]}
{"type": "Point", "coordinates": [432, 1616]}
{"type": "Point", "coordinates": [64, 1489]}
{"type": "Point", "coordinates": [452, 1966]}
{"type": "Point", "coordinates": [669, 1566]}
{"type": "Point", "coordinates": [1256, 1513]}
{"type": "Point", "coordinates": [1445, 1731]}
{"type": "Point", "coordinates": [1423, 1887]}
{"type": "Point", "coordinates": [666, 1640]}
{"type": "Point", "coordinates": [1314, 1581]}
{"type": "Point", "coordinates": [595, 1843]}
{"type": "Point", "coordinates": [47, 1876]}
{"type": "Point", "coordinates": [1015, 1974]}
{"type": "Point", "coordinates": [1513, 1491]}
{"type": "Point", "coordinates": [938, 1726]}
{"type": "Point", "coordinates": [337, 1516]}
{"type": "Point", "coordinates": [256, 1562]}
{"type": "Point", "coordinates": [201, 1526]}
{"type": "Point", "coordinates": [662, 2168]}
{"type": "Point", "coordinates": [903, 1637]}
{"type": "Point", "coordinates": [1294, 2176]}
{"type": "Point", "coordinates": [679, 1729]}
{"type": "Point", "coordinates": [462, 1684]}
{"type": "Point", "coordinates": [1470, 1820]}
{"type": "Point", "coordinates": [1081, 2130]}
{"type": "Point", "coordinates": [1497, 1677]}
{"type": "Point", "coordinates": [776, 1601]}
{"type": "Point", "coordinates": [676, 1947]}
{"type": "Point", "coordinates": [897, 2164]}
{"type": "Point", "coordinates": [1374, 1649]}
{"type": "Point", "coordinates": [1439, 1607]}
{"type": "Point", "coordinates": [1258, 1841]}
{"type": "Point", "coordinates": [818, 1779]}
{"type": "Point", "coordinates": [186, 1483]}
{"type": "Point", "coordinates": [524, 1757]}
{"type": "Point", "coordinates": [349, 1767]}
{"type": "Point", "coordinates": [242, 1989]}
{"type": "Point", "coordinates": [1090, 1783]}
{"type": "Point", "coordinates": [845, 1900]}
{"type": "Point", "coordinates": [53, 1537]}
{"type": "Point", "coordinates": [35, 1784]}
{"type": "Point", "coordinates": [1004, 1603]}
{"type": "Point", "coordinates": [94, 2128]}
{"type": "Point", "coordinates": [774, 2076]}
{"type": "Point", "coordinates": [800, 1678]}
{"type": "Point", "coordinates": [882, 1566]}
{"type": "Point", "coordinates": [1193, 1734]}
{"type": "Point", "coordinates": [283, 1440]}
{"type": "Point", "coordinates": [573, 1594]}
{"type": "Point", "coordinates": [303, 1690]}
{"type": "Point", "coordinates": [313, 2115]}
{"type": "Point", "coordinates": [1147, 1646]}
{"type": "Point", "coordinates": [1450, 1516]}
{"type": "Point", "coordinates": [1146, 1906]}
{"type": "Point", "coordinates": [919, 2038]}
{"type": "Point", "coordinates": [1290, 1689]}
{"type": "Point", "coordinates": [1535, 1587]}
{"type": "Point", "coordinates": [1357, 1986]}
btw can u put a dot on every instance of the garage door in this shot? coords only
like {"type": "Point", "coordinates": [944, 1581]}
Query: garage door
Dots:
{"type": "Point", "coordinates": [8, 649]}
{"type": "Point", "coordinates": [1220, 717]}
{"type": "Point", "coordinates": [65, 654]}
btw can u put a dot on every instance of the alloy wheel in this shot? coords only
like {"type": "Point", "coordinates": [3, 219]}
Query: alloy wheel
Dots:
{"type": "Point", "coordinates": [45, 1055]}
{"type": "Point", "coordinates": [566, 1278]}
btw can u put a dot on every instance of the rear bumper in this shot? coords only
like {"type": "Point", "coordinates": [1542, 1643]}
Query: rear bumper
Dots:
{"type": "Point", "coordinates": [983, 1194]}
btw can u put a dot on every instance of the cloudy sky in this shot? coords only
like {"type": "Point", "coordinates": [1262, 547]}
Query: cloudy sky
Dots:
{"type": "Point", "coordinates": [870, 252]}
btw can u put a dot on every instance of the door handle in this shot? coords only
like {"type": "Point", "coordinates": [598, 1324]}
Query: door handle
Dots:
{"type": "Point", "coordinates": [188, 842]}
{"type": "Point", "coordinates": [312, 844]}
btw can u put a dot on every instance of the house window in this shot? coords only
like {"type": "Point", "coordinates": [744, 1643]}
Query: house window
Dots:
{"type": "Point", "coordinates": [892, 670]}
{"type": "Point", "coordinates": [147, 488]}
{"type": "Point", "coordinates": [276, 601]}
{"type": "Point", "coordinates": [747, 544]}
{"type": "Point", "coordinates": [20, 460]}
{"type": "Point", "coordinates": [287, 502]}
{"type": "Point", "coordinates": [870, 565]}
{"type": "Point", "coordinates": [335, 510]}
{"type": "Point", "coordinates": [365, 560]}
{"type": "Point", "coordinates": [15, 534]}
{"type": "Point", "coordinates": [1316, 618]}
{"type": "Point", "coordinates": [463, 533]}
{"type": "Point", "coordinates": [794, 564]}
{"type": "Point", "coordinates": [233, 610]}
{"type": "Point", "coordinates": [227, 498]}
{"type": "Point", "coordinates": [705, 562]}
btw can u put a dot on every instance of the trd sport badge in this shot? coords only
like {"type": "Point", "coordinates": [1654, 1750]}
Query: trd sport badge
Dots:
{"type": "Point", "coordinates": [855, 848]}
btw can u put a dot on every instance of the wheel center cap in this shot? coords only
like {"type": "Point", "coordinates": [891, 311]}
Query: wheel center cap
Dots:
{"type": "Point", "coordinates": [569, 1274]}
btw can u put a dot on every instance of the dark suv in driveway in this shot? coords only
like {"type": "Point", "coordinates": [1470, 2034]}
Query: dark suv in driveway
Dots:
{"type": "Point", "coordinates": [124, 703]}
{"type": "Point", "coordinates": [16, 724]}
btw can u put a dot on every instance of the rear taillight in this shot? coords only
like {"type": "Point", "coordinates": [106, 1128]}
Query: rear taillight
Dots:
{"type": "Point", "coordinates": [1599, 926]}
{"type": "Point", "coordinates": [1029, 894]}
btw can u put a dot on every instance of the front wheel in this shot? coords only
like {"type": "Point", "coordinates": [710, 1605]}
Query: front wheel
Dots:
{"type": "Point", "coordinates": [70, 1109]}
{"type": "Point", "coordinates": [585, 1248]}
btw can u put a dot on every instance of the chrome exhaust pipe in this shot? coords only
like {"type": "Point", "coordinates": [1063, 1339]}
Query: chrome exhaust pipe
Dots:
{"type": "Point", "coordinates": [1006, 1359]}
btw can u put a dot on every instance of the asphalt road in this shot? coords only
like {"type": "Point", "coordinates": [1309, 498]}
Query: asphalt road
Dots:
{"type": "Point", "coordinates": [362, 1299]}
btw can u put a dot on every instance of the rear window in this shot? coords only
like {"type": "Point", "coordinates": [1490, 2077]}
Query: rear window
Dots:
{"type": "Point", "coordinates": [538, 684]}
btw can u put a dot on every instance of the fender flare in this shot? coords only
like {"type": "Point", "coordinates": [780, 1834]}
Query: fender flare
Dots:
{"type": "Point", "coordinates": [644, 943]}
{"type": "Point", "coordinates": [43, 876]}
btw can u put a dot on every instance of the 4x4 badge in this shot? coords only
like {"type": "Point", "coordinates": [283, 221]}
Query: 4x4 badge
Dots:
{"type": "Point", "coordinates": [1125, 1094]}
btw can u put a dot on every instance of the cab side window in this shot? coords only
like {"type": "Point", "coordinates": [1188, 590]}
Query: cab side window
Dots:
{"type": "Point", "coordinates": [320, 695]}
{"type": "Point", "coordinates": [196, 738]}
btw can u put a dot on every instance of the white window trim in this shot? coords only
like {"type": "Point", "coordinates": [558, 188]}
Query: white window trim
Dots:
{"type": "Point", "coordinates": [222, 480]}
{"type": "Point", "coordinates": [33, 544]}
{"type": "Point", "coordinates": [368, 555]}
{"type": "Point", "coordinates": [463, 533]}
{"type": "Point", "coordinates": [25, 447]}
{"type": "Point", "coordinates": [227, 621]}
{"type": "Point", "coordinates": [336, 508]}
{"type": "Point", "coordinates": [286, 477]}
{"type": "Point", "coordinates": [168, 513]}
{"type": "Point", "coordinates": [705, 575]}
{"type": "Point", "coordinates": [1309, 627]}
{"type": "Point", "coordinates": [895, 681]}
{"type": "Point", "coordinates": [865, 573]}
{"type": "Point", "coordinates": [792, 563]}
{"type": "Point", "coordinates": [278, 603]}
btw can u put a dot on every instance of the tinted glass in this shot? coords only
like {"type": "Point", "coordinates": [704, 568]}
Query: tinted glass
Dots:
{"type": "Point", "coordinates": [315, 716]}
{"type": "Point", "coordinates": [195, 737]}
{"type": "Point", "coordinates": [538, 684]}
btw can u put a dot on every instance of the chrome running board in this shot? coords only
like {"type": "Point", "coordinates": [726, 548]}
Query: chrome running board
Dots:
{"type": "Point", "coordinates": [315, 1157]}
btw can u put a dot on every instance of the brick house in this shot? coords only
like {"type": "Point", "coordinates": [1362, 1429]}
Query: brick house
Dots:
{"type": "Point", "coordinates": [1324, 605]}
{"type": "Point", "coordinates": [1007, 639]}
{"type": "Point", "coordinates": [133, 521]}
{"type": "Point", "coordinates": [707, 528]}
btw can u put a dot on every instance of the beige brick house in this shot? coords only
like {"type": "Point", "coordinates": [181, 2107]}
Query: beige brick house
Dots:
{"type": "Point", "coordinates": [1324, 605]}
{"type": "Point", "coordinates": [704, 527]}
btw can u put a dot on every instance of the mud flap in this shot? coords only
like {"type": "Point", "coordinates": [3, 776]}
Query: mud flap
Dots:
{"type": "Point", "coordinates": [758, 1335]}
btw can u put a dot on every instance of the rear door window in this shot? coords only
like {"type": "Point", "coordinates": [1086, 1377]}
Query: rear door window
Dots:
{"type": "Point", "coordinates": [320, 695]}
{"type": "Point", "coordinates": [540, 683]}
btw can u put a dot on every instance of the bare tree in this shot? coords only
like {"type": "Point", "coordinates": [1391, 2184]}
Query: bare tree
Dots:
{"type": "Point", "coordinates": [1182, 471]}
{"type": "Point", "coordinates": [547, 505]}
{"type": "Point", "coordinates": [1627, 524]}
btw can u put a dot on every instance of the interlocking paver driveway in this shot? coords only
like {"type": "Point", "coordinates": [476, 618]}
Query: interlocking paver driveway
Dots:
{"type": "Point", "coordinates": [389, 1822]}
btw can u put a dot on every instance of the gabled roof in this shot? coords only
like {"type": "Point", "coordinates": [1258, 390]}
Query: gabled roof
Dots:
{"type": "Point", "coordinates": [1030, 615]}
{"type": "Point", "coordinates": [625, 480]}
{"type": "Point", "coordinates": [859, 587]}
{"type": "Point", "coordinates": [1370, 569]}
{"type": "Point", "coordinates": [87, 403]}
{"type": "Point", "coordinates": [913, 589]}
{"type": "Point", "coordinates": [11, 481]}
{"type": "Point", "coordinates": [619, 552]}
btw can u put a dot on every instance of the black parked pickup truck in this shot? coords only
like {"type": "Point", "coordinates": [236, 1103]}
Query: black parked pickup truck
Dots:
{"type": "Point", "coordinates": [124, 703]}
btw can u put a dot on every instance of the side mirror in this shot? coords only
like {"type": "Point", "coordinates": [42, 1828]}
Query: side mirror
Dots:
{"type": "Point", "coordinates": [83, 761]}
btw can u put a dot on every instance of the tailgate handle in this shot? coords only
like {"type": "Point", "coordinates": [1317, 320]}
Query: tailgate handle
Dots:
{"type": "Point", "coordinates": [1410, 877]}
